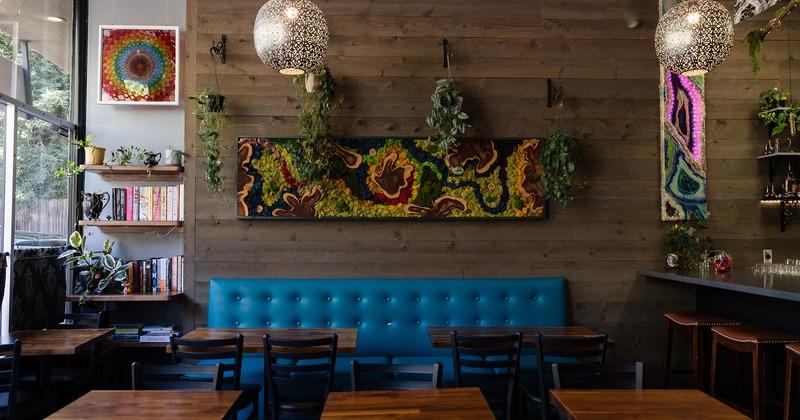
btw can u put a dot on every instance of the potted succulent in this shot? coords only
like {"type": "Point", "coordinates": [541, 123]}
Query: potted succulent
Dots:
{"type": "Point", "coordinates": [446, 117]}
{"type": "Point", "coordinates": [210, 113]}
{"type": "Point", "coordinates": [93, 156]}
{"type": "Point", "coordinates": [560, 152]}
{"type": "Point", "coordinates": [99, 271]}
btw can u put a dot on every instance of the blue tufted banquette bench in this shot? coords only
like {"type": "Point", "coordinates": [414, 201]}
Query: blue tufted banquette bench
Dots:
{"type": "Point", "coordinates": [392, 315]}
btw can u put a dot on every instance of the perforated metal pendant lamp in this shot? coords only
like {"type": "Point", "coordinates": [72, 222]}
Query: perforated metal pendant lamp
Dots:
{"type": "Point", "coordinates": [694, 37]}
{"type": "Point", "coordinates": [291, 36]}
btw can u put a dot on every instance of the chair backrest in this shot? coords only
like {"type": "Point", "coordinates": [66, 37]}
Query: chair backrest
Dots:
{"type": "Point", "coordinates": [226, 351]}
{"type": "Point", "coordinates": [82, 320]}
{"type": "Point", "coordinates": [9, 375]}
{"type": "Point", "coordinates": [592, 376]}
{"type": "Point", "coordinates": [490, 363]}
{"type": "Point", "coordinates": [173, 376]}
{"type": "Point", "coordinates": [298, 374]}
{"type": "Point", "coordinates": [379, 376]}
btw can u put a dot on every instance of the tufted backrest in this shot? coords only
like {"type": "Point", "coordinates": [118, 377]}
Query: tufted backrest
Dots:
{"type": "Point", "coordinates": [392, 315]}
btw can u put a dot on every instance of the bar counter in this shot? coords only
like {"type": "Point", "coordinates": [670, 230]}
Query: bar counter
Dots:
{"type": "Point", "coordinates": [766, 299]}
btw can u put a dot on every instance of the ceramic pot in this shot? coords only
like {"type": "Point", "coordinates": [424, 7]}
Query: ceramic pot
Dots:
{"type": "Point", "coordinates": [151, 159]}
{"type": "Point", "coordinates": [95, 155]}
{"type": "Point", "coordinates": [93, 204]}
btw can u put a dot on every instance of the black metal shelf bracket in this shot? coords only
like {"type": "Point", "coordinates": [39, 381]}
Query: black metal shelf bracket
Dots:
{"type": "Point", "coordinates": [553, 93]}
{"type": "Point", "coordinates": [218, 48]}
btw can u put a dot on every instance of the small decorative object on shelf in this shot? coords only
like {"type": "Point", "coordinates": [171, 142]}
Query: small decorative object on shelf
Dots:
{"type": "Point", "coordinates": [99, 270]}
{"type": "Point", "coordinates": [680, 241]}
{"type": "Point", "coordinates": [723, 262]}
{"type": "Point", "coordinates": [93, 204]}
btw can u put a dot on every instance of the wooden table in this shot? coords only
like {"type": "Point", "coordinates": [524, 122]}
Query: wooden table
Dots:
{"type": "Point", "coordinates": [254, 343]}
{"type": "Point", "coordinates": [48, 343]}
{"type": "Point", "coordinates": [440, 336]}
{"type": "Point", "coordinates": [150, 404]}
{"type": "Point", "coordinates": [442, 403]}
{"type": "Point", "coordinates": [607, 404]}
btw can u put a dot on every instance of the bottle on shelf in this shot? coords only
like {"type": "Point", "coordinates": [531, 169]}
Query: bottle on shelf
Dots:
{"type": "Point", "coordinates": [789, 182]}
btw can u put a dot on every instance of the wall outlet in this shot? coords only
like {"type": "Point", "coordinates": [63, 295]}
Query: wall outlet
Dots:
{"type": "Point", "coordinates": [767, 256]}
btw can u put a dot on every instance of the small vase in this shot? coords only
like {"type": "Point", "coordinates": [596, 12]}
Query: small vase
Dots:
{"type": "Point", "coordinates": [93, 204]}
{"type": "Point", "coordinates": [95, 155]}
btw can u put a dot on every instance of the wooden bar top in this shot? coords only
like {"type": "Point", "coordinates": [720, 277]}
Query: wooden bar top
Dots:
{"type": "Point", "coordinates": [440, 336]}
{"type": "Point", "coordinates": [57, 342]}
{"type": "Point", "coordinates": [253, 341]}
{"type": "Point", "coordinates": [653, 404]}
{"type": "Point", "coordinates": [742, 280]}
{"type": "Point", "coordinates": [442, 403]}
{"type": "Point", "coordinates": [196, 405]}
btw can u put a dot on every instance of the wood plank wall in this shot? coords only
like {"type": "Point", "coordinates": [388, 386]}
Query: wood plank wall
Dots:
{"type": "Point", "coordinates": [386, 56]}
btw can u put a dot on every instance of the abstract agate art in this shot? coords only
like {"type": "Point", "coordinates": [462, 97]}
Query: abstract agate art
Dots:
{"type": "Point", "coordinates": [683, 164]}
{"type": "Point", "coordinates": [139, 65]}
{"type": "Point", "coordinates": [394, 178]}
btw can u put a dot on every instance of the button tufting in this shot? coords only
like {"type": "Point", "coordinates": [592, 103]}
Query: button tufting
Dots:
{"type": "Point", "coordinates": [508, 321]}
{"type": "Point", "coordinates": [298, 323]}
{"type": "Point", "coordinates": [358, 323]}
{"type": "Point", "coordinates": [389, 324]}
{"type": "Point", "coordinates": [418, 299]}
{"type": "Point", "coordinates": [477, 298]}
{"type": "Point", "coordinates": [447, 322]}
{"type": "Point", "coordinates": [269, 298]}
{"type": "Point", "coordinates": [506, 297]}
{"type": "Point", "coordinates": [358, 298]}
{"type": "Point", "coordinates": [536, 298]}
{"type": "Point", "coordinates": [447, 298]}
{"type": "Point", "coordinates": [269, 323]}
{"type": "Point", "coordinates": [297, 298]}
{"type": "Point", "coordinates": [328, 323]}
{"type": "Point", "coordinates": [419, 322]}
{"type": "Point", "coordinates": [478, 322]}
{"type": "Point", "coordinates": [330, 298]}
{"type": "Point", "coordinates": [235, 322]}
{"type": "Point", "coordinates": [388, 299]}
{"type": "Point", "coordinates": [239, 298]}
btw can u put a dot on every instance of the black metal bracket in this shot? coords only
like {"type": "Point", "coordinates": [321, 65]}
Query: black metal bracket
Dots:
{"type": "Point", "coordinates": [553, 94]}
{"type": "Point", "coordinates": [218, 48]}
{"type": "Point", "coordinates": [446, 50]}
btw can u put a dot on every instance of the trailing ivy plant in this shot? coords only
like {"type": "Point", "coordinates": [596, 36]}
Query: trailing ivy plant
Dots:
{"type": "Point", "coordinates": [446, 117]}
{"type": "Point", "coordinates": [559, 154]}
{"type": "Point", "coordinates": [210, 114]}
{"type": "Point", "coordinates": [776, 114]}
{"type": "Point", "coordinates": [313, 155]}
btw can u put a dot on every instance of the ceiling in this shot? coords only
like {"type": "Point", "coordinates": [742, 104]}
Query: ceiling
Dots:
{"type": "Point", "coordinates": [27, 17]}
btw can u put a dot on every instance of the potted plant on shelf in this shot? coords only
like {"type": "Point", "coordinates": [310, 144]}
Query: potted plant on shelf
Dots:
{"type": "Point", "coordinates": [94, 155]}
{"type": "Point", "coordinates": [682, 244]}
{"type": "Point", "coordinates": [446, 117]}
{"type": "Point", "coordinates": [560, 152]}
{"type": "Point", "coordinates": [210, 113]}
{"type": "Point", "coordinates": [99, 271]}
{"type": "Point", "coordinates": [312, 155]}
{"type": "Point", "coordinates": [774, 111]}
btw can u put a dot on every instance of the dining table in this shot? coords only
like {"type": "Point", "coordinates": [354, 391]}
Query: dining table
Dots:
{"type": "Point", "coordinates": [652, 404]}
{"type": "Point", "coordinates": [254, 342]}
{"type": "Point", "coordinates": [440, 336]}
{"type": "Point", "coordinates": [150, 404]}
{"type": "Point", "coordinates": [441, 403]}
{"type": "Point", "coordinates": [44, 344]}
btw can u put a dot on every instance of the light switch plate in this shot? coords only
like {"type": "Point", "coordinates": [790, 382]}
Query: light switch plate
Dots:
{"type": "Point", "coordinates": [767, 256]}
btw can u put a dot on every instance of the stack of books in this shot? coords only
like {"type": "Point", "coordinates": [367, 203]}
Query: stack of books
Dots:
{"type": "Point", "coordinates": [129, 332]}
{"type": "Point", "coordinates": [158, 333]}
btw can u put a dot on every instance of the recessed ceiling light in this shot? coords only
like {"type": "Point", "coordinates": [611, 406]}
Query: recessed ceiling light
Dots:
{"type": "Point", "coordinates": [56, 19]}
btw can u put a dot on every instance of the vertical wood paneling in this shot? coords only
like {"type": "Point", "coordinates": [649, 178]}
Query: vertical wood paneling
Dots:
{"type": "Point", "coordinates": [386, 56]}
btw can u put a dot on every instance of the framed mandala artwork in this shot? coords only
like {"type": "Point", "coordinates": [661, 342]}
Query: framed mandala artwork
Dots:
{"type": "Point", "coordinates": [139, 65]}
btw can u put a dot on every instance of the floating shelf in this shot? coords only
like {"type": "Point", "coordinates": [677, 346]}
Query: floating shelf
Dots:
{"type": "Point", "coordinates": [128, 226]}
{"type": "Point", "coordinates": [136, 172]}
{"type": "Point", "coordinates": [132, 297]}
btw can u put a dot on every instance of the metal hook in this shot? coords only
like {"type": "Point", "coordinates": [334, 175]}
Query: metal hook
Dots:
{"type": "Point", "coordinates": [218, 48]}
{"type": "Point", "coordinates": [446, 50]}
{"type": "Point", "coordinates": [553, 93]}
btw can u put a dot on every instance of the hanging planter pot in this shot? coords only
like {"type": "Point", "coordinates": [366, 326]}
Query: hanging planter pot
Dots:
{"type": "Point", "coordinates": [216, 103]}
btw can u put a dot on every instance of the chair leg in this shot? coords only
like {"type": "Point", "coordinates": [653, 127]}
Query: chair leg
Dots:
{"type": "Point", "coordinates": [699, 358]}
{"type": "Point", "coordinates": [667, 353]}
{"type": "Point", "coordinates": [759, 399]}
{"type": "Point", "coordinates": [713, 367]}
{"type": "Point", "coordinates": [791, 389]}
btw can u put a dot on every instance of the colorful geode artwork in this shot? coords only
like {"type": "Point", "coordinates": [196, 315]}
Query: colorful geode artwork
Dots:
{"type": "Point", "coordinates": [138, 65]}
{"type": "Point", "coordinates": [683, 161]}
{"type": "Point", "coordinates": [394, 178]}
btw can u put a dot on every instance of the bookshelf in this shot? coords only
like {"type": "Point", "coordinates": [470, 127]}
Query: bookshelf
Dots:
{"type": "Point", "coordinates": [131, 297]}
{"type": "Point", "coordinates": [129, 226]}
{"type": "Point", "coordinates": [136, 172]}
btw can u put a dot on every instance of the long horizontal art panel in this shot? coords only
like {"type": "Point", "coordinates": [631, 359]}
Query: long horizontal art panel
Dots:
{"type": "Point", "coordinates": [394, 178]}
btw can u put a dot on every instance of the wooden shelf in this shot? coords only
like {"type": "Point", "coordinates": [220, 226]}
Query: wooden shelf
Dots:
{"type": "Point", "coordinates": [136, 172]}
{"type": "Point", "coordinates": [128, 226]}
{"type": "Point", "coordinates": [133, 297]}
{"type": "Point", "coordinates": [131, 343]}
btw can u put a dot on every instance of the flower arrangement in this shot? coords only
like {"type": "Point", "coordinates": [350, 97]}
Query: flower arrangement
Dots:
{"type": "Point", "coordinates": [680, 240]}
{"type": "Point", "coordinates": [102, 271]}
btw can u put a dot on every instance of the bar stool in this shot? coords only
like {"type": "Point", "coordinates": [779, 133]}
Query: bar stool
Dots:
{"type": "Point", "coordinates": [790, 395]}
{"type": "Point", "coordinates": [698, 324]}
{"type": "Point", "coordinates": [757, 341]}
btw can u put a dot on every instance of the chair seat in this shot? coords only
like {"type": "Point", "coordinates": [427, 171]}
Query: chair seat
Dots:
{"type": "Point", "coordinates": [794, 348]}
{"type": "Point", "coordinates": [696, 318]}
{"type": "Point", "coordinates": [755, 334]}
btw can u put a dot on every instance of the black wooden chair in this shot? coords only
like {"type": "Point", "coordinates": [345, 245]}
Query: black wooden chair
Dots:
{"type": "Point", "coordinates": [594, 376]}
{"type": "Point", "coordinates": [380, 376]}
{"type": "Point", "coordinates": [228, 352]}
{"type": "Point", "coordinates": [298, 374]}
{"type": "Point", "coordinates": [558, 349]}
{"type": "Point", "coordinates": [16, 403]}
{"type": "Point", "coordinates": [490, 363]}
{"type": "Point", "coordinates": [203, 377]}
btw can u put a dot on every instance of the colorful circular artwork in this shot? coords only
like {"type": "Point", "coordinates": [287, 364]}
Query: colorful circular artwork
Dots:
{"type": "Point", "coordinates": [138, 65]}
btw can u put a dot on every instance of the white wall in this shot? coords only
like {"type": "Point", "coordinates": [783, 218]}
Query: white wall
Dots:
{"type": "Point", "coordinates": [149, 127]}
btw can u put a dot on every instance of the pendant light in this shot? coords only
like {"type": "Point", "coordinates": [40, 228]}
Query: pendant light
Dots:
{"type": "Point", "coordinates": [693, 37]}
{"type": "Point", "coordinates": [291, 36]}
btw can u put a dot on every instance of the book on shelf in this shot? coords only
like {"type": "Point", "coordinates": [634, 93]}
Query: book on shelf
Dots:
{"type": "Point", "coordinates": [158, 274]}
{"type": "Point", "coordinates": [156, 338]}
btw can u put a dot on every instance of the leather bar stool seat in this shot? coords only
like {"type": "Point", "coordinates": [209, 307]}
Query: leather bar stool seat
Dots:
{"type": "Point", "coordinates": [698, 324]}
{"type": "Point", "coordinates": [758, 341]}
{"type": "Point", "coordinates": [792, 381]}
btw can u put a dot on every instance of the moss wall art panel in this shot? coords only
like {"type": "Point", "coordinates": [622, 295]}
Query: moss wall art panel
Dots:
{"type": "Point", "coordinates": [393, 178]}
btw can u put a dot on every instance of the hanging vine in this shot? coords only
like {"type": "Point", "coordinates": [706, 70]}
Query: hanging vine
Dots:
{"type": "Point", "coordinates": [755, 39]}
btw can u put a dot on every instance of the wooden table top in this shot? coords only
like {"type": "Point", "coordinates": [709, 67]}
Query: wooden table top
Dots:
{"type": "Point", "coordinates": [440, 336]}
{"type": "Point", "coordinates": [654, 404]}
{"type": "Point", "coordinates": [442, 403]}
{"type": "Point", "coordinates": [150, 404]}
{"type": "Point", "coordinates": [253, 341]}
{"type": "Point", "coordinates": [57, 342]}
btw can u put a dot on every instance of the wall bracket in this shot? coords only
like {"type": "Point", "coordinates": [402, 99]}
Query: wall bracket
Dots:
{"type": "Point", "coordinates": [446, 50]}
{"type": "Point", "coordinates": [218, 48]}
{"type": "Point", "coordinates": [553, 93]}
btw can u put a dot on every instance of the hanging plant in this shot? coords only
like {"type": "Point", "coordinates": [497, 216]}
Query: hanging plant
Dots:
{"type": "Point", "coordinates": [755, 38]}
{"type": "Point", "coordinates": [446, 116]}
{"type": "Point", "coordinates": [559, 154]}
{"type": "Point", "coordinates": [312, 155]}
{"type": "Point", "coordinates": [210, 114]}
